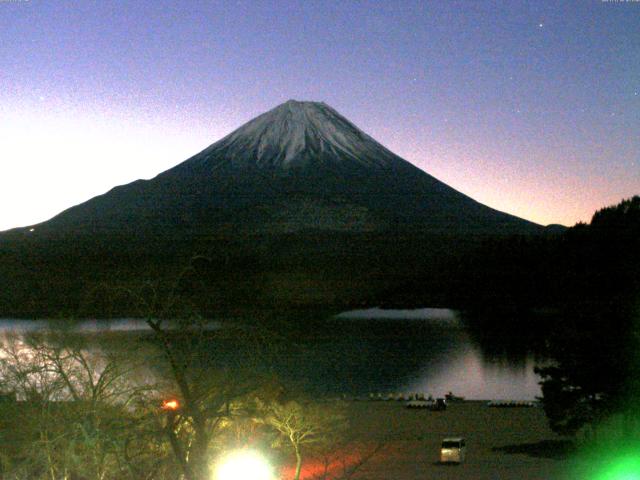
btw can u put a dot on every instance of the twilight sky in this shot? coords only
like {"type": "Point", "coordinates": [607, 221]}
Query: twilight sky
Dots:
{"type": "Point", "coordinates": [532, 108]}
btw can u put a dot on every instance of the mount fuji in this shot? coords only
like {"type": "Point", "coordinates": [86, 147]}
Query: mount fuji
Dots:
{"type": "Point", "coordinates": [297, 208]}
{"type": "Point", "coordinates": [298, 167]}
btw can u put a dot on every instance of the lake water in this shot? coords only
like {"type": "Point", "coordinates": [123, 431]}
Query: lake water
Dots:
{"type": "Point", "coordinates": [405, 351]}
{"type": "Point", "coordinates": [426, 351]}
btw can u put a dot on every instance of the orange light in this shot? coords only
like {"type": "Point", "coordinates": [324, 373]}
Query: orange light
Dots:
{"type": "Point", "coordinates": [170, 405]}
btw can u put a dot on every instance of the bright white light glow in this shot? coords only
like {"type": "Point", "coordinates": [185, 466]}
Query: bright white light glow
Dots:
{"type": "Point", "coordinates": [243, 465]}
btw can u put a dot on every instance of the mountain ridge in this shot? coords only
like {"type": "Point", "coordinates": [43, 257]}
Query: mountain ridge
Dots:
{"type": "Point", "coordinates": [305, 157]}
{"type": "Point", "coordinates": [298, 210]}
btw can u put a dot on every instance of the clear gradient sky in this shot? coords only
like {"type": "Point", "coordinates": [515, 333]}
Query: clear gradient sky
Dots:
{"type": "Point", "coordinates": [531, 107]}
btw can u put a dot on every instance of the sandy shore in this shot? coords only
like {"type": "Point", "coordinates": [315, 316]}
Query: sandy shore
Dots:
{"type": "Point", "coordinates": [503, 443]}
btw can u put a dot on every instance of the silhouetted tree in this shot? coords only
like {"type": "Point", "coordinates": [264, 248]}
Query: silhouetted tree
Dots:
{"type": "Point", "coordinates": [210, 390]}
{"type": "Point", "coordinates": [594, 345]}
{"type": "Point", "coordinates": [71, 412]}
{"type": "Point", "coordinates": [304, 425]}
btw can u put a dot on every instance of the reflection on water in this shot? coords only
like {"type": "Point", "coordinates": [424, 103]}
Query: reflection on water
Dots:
{"type": "Point", "coordinates": [8, 325]}
{"type": "Point", "coordinates": [372, 351]}
{"type": "Point", "coordinates": [87, 326]}
{"type": "Point", "coordinates": [465, 373]}
{"type": "Point", "coordinates": [431, 314]}
{"type": "Point", "coordinates": [423, 351]}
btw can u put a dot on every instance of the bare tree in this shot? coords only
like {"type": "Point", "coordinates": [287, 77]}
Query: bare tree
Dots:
{"type": "Point", "coordinates": [305, 425]}
{"type": "Point", "coordinates": [70, 408]}
{"type": "Point", "coordinates": [208, 392]}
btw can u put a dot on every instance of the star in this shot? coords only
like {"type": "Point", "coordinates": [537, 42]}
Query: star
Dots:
{"type": "Point", "coordinates": [540, 25]}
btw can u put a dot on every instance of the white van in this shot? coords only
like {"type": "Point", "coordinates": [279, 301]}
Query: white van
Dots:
{"type": "Point", "coordinates": [453, 450]}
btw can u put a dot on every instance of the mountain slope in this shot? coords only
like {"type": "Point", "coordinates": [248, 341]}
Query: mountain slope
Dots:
{"type": "Point", "coordinates": [297, 209]}
{"type": "Point", "coordinates": [300, 166]}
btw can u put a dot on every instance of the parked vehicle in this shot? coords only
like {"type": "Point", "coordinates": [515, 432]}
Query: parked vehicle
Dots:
{"type": "Point", "coordinates": [418, 404]}
{"type": "Point", "coordinates": [439, 405]}
{"type": "Point", "coordinates": [510, 404]}
{"type": "Point", "coordinates": [433, 405]}
{"type": "Point", "coordinates": [453, 398]}
{"type": "Point", "coordinates": [453, 450]}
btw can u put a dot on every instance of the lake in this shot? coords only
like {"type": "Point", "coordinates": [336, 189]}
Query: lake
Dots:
{"type": "Point", "coordinates": [428, 351]}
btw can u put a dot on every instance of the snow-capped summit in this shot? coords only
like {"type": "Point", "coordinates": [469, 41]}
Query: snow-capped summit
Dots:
{"type": "Point", "coordinates": [298, 134]}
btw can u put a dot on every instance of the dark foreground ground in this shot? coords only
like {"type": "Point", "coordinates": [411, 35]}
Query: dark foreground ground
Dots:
{"type": "Point", "coordinates": [502, 443]}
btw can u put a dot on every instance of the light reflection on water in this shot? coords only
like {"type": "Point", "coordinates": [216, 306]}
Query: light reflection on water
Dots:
{"type": "Point", "coordinates": [132, 325]}
{"type": "Point", "coordinates": [9, 325]}
{"type": "Point", "coordinates": [459, 365]}
{"type": "Point", "coordinates": [377, 351]}
{"type": "Point", "coordinates": [443, 315]}
{"type": "Point", "coordinates": [466, 374]}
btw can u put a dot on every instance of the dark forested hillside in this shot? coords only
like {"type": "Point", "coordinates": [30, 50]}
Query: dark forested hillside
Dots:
{"type": "Point", "coordinates": [586, 263]}
{"type": "Point", "coordinates": [595, 343]}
